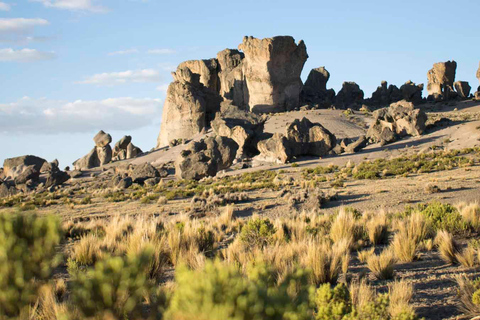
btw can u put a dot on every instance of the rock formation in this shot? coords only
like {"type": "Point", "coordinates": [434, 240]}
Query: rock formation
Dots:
{"type": "Point", "coordinates": [398, 120]}
{"type": "Point", "coordinates": [462, 88]}
{"type": "Point", "coordinates": [302, 138]}
{"type": "Point", "coordinates": [440, 81]}
{"type": "Point", "coordinates": [13, 167]}
{"type": "Point", "coordinates": [241, 126]}
{"type": "Point", "coordinates": [205, 158]}
{"type": "Point", "coordinates": [315, 88]}
{"type": "Point", "coordinates": [272, 68]}
{"type": "Point", "coordinates": [125, 149]}
{"type": "Point", "coordinates": [232, 84]}
{"type": "Point", "coordinates": [350, 96]}
{"type": "Point", "coordinates": [412, 92]}
{"type": "Point", "coordinates": [101, 154]}
{"type": "Point", "coordinates": [384, 95]}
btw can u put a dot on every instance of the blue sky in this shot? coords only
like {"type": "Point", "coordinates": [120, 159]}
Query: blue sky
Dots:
{"type": "Point", "coordinates": [72, 67]}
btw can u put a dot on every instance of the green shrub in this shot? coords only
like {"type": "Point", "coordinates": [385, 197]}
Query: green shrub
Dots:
{"type": "Point", "coordinates": [27, 257]}
{"type": "Point", "coordinates": [257, 232]}
{"type": "Point", "coordinates": [332, 304]}
{"type": "Point", "coordinates": [114, 288]}
{"type": "Point", "coordinates": [443, 217]}
{"type": "Point", "coordinates": [221, 292]}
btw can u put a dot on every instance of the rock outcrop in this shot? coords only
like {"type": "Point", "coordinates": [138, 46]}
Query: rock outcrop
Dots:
{"type": "Point", "coordinates": [231, 82]}
{"type": "Point", "coordinates": [302, 138]}
{"type": "Point", "coordinates": [144, 172]}
{"type": "Point", "coordinates": [125, 149]}
{"type": "Point", "coordinates": [315, 90]}
{"type": "Point", "coordinates": [398, 120]}
{"type": "Point", "coordinates": [272, 68]}
{"type": "Point", "coordinates": [241, 126]}
{"type": "Point", "coordinates": [205, 158]}
{"type": "Point", "coordinates": [440, 81]}
{"type": "Point", "coordinates": [412, 92]}
{"type": "Point", "coordinates": [384, 95]}
{"type": "Point", "coordinates": [350, 96]}
{"type": "Point", "coordinates": [462, 88]}
{"type": "Point", "coordinates": [13, 167]}
{"type": "Point", "coordinates": [100, 155]}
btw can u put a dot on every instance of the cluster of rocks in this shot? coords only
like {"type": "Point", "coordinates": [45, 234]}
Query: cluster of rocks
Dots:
{"type": "Point", "coordinates": [388, 94]}
{"type": "Point", "coordinates": [398, 120]}
{"type": "Point", "coordinates": [142, 174]}
{"type": "Point", "coordinates": [28, 173]}
{"type": "Point", "coordinates": [102, 153]}
{"type": "Point", "coordinates": [442, 85]}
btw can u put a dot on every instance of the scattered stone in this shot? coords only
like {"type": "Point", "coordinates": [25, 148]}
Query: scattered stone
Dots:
{"type": "Point", "coordinates": [205, 158]}
{"type": "Point", "coordinates": [350, 96]}
{"type": "Point", "coordinates": [440, 81]}
{"type": "Point", "coordinates": [357, 145]}
{"type": "Point", "coordinates": [398, 120]}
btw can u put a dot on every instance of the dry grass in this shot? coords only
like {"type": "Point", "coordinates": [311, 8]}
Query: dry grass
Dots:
{"type": "Point", "coordinates": [364, 254]}
{"type": "Point", "coordinates": [447, 246]}
{"type": "Point", "coordinates": [87, 250]}
{"type": "Point", "coordinates": [344, 228]}
{"type": "Point", "coordinates": [47, 307]}
{"type": "Point", "coordinates": [405, 245]}
{"type": "Point", "coordinates": [466, 289]}
{"type": "Point", "coordinates": [400, 294]}
{"type": "Point", "coordinates": [382, 265]}
{"type": "Point", "coordinates": [471, 214]}
{"type": "Point", "coordinates": [377, 228]}
{"type": "Point", "coordinates": [361, 294]}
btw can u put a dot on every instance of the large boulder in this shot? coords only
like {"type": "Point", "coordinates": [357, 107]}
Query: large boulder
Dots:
{"type": "Point", "coordinates": [241, 126]}
{"type": "Point", "coordinates": [97, 157]}
{"type": "Point", "coordinates": [125, 149]}
{"type": "Point", "coordinates": [272, 68]}
{"type": "Point", "coordinates": [231, 82]}
{"type": "Point", "coordinates": [462, 88]}
{"type": "Point", "coordinates": [384, 95]}
{"type": "Point", "coordinates": [440, 81]}
{"type": "Point", "coordinates": [302, 138]}
{"type": "Point", "coordinates": [143, 172]}
{"type": "Point", "coordinates": [28, 173]}
{"type": "Point", "coordinates": [133, 151]}
{"type": "Point", "coordinates": [13, 167]}
{"type": "Point", "coordinates": [412, 92]}
{"type": "Point", "coordinates": [206, 69]}
{"type": "Point", "coordinates": [315, 88]}
{"type": "Point", "coordinates": [102, 139]}
{"type": "Point", "coordinates": [398, 120]}
{"type": "Point", "coordinates": [350, 96]}
{"type": "Point", "coordinates": [205, 158]}
{"type": "Point", "coordinates": [56, 177]}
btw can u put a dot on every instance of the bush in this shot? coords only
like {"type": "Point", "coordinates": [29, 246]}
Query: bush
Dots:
{"type": "Point", "coordinates": [332, 304]}
{"type": "Point", "coordinates": [257, 232]}
{"type": "Point", "coordinates": [27, 257]}
{"type": "Point", "coordinates": [220, 292]}
{"type": "Point", "coordinates": [443, 217]}
{"type": "Point", "coordinates": [114, 288]}
{"type": "Point", "coordinates": [382, 265]}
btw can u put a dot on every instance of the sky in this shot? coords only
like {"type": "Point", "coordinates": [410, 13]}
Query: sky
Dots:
{"type": "Point", "coordinates": [70, 68]}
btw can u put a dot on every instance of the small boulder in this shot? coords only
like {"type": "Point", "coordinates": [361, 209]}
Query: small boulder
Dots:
{"type": "Point", "coordinates": [133, 151]}
{"type": "Point", "coordinates": [356, 146]}
{"type": "Point", "coordinates": [275, 149]}
{"type": "Point", "coordinates": [307, 138]}
{"type": "Point", "coordinates": [463, 89]}
{"type": "Point", "coordinates": [56, 178]}
{"type": "Point", "coordinates": [102, 139]}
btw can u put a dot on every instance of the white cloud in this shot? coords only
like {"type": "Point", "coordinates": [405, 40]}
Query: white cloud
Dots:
{"type": "Point", "coordinates": [20, 25]}
{"type": "Point", "coordinates": [115, 78]}
{"type": "Point", "coordinates": [163, 88]}
{"type": "Point", "coordinates": [74, 5]}
{"type": "Point", "coordinates": [161, 51]}
{"type": "Point", "coordinates": [39, 116]}
{"type": "Point", "coordinates": [166, 66]}
{"type": "Point", "coordinates": [123, 52]}
{"type": "Point", "coordinates": [25, 55]}
{"type": "Point", "coordinates": [4, 6]}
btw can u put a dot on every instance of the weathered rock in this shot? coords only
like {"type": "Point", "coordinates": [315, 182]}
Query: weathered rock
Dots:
{"type": "Point", "coordinates": [133, 151]}
{"type": "Point", "coordinates": [398, 120]}
{"type": "Point", "coordinates": [119, 182]}
{"type": "Point", "coordinates": [272, 68]}
{"type": "Point", "coordinates": [12, 167]}
{"type": "Point", "coordinates": [462, 88]}
{"type": "Point", "coordinates": [440, 80]}
{"type": "Point", "coordinates": [151, 181]}
{"type": "Point", "coordinates": [56, 178]}
{"type": "Point", "coordinates": [104, 154]}
{"type": "Point", "coordinates": [384, 95]}
{"type": "Point", "coordinates": [7, 190]}
{"type": "Point", "coordinates": [143, 172]}
{"type": "Point", "coordinates": [275, 149]}
{"type": "Point", "coordinates": [120, 149]}
{"type": "Point", "coordinates": [239, 125]}
{"type": "Point", "coordinates": [315, 88]}
{"type": "Point", "coordinates": [205, 158]}
{"type": "Point", "coordinates": [356, 146]}
{"type": "Point", "coordinates": [307, 138]}
{"type": "Point", "coordinates": [28, 173]}
{"type": "Point", "coordinates": [97, 157]}
{"type": "Point", "coordinates": [75, 174]}
{"type": "Point", "coordinates": [412, 92]}
{"type": "Point", "coordinates": [350, 96]}
{"type": "Point", "coordinates": [205, 69]}
{"type": "Point", "coordinates": [232, 84]}
{"type": "Point", "coordinates": [102, 139]}
{"type": "Point", "coordinates": [49, 166]}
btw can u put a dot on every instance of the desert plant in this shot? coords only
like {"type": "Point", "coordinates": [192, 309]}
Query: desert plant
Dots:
{"type": "Point", "coordinates": [447, 246]}
{"type": "Point", "coordinates": [443, 217]}
{"type": "Point", "coordinates": [400, 293]}
{"type": "Point", "coordinates": [257, 232]}
{"type": "Point", "coordinates": [377, 228]}
{"type": "Point", "coordinates": [332, 303]}
{"type": "Point", "coordinates": [325, 262]}
{"type": "Point", "coordinates": [87, 250]}
{"type": "Point", "coordinates": [468, 257]}
{"type": "Point", "coordinates": [469, 295]}
{"type": "Point", "coordinates": [27, 258]}
{"type": "Point", "coordinates": [405, 243]}
{"type": "Point", "coordinates": [382, 265]}
{"type": "Point", "coordinates": [471, 214]}
{"type": "Point", "coordinates": [364, 254]}
{"type": "Point", "coordinates": [114, 288]}
{"type": "Point", "coordinates": [344, 228]}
